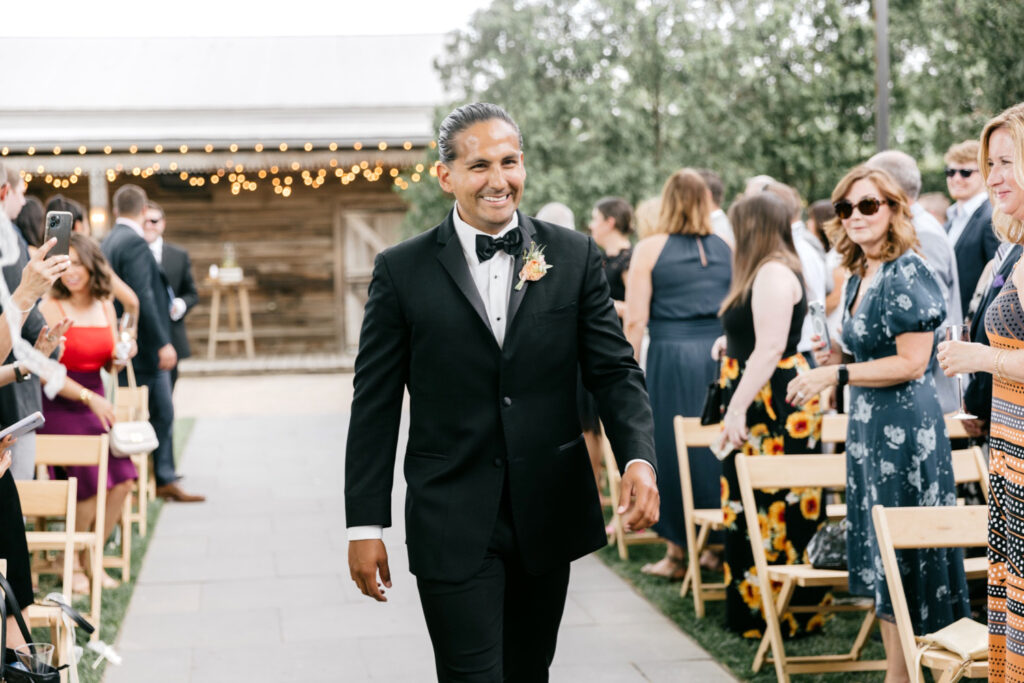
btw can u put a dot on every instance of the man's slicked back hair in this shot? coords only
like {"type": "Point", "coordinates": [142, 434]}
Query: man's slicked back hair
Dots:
{"type": "Point", "coordinates": [129, 200]}
{"type": "Point", "coordinates": [462, 118]}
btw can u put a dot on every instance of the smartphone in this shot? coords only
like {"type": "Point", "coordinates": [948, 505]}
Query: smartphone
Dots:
{"type": "Point", "coordinates": [24, 425]}
{"type": "Point", "coordinates": [58, 224]}
{"type": "Point", "coordinates": [819, 323]}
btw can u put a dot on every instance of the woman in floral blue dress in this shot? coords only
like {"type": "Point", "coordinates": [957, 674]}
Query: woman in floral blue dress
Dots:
{"type": "Point", "coordinates": [898, 451]}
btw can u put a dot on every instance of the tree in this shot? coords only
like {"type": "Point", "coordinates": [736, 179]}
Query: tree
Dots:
{"type": "Point", "coordinates": [614, 95]}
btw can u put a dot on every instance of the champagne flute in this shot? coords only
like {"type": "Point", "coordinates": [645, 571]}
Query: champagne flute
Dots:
{"type": "Point", "coordinates": [125, 334]}
{"type": "Point", "coordinates": [960, 333]}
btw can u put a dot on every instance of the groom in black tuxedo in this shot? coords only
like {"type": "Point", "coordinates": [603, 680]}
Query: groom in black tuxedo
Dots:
{"type": "Point", "coordinates": [484, 319]}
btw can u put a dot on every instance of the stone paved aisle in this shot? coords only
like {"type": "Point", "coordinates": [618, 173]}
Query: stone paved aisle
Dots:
{"type": "Point", "coordinates": [253, 585]}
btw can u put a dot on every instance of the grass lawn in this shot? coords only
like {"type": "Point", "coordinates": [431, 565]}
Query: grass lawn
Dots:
{"type": "Point", "coordinates": [115, 602]}
{"type": "Point", "coordinates": [730, 649]}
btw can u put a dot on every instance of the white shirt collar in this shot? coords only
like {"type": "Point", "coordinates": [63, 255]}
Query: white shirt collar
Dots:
{"type": "Point", "coordinates": [717, 212]}
{"type": "Point", "coordinates": [968, 207]}
{"type": "Point", "coordinates": [132, 224]}
{"type": "Point", "coordinates": [157, 247]}
{"type": "Point", "coordinates": [467, 234]}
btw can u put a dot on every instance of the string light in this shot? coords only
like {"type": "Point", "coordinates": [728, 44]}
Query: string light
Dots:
{"type": "Point", "coordinates": [283, 147]}
{"type": "Point", "coordinates": [382, 145]}
{"type": "Point", "coordinates": [358, 146]}
{"type": "Point", "coordinates": [333, 146]}
{"type": "Point", "coordinates": [56, 151]}
{"type": "Point", "coordinates": [82, 149]}
{"type": "Point", "coordinates": [158, 149]}
{"type": "Point", "coordinates": [31, 151]}
{"type": "Point", "coordinates": [258, 147]}
{"type": "Point", "coordinates": [308, 147]}
{"type": "Point", "coordinates": [5, 151]}
{"type": "Point", "coordinates": [209, 148]}
{"type": "Point", "coordinates": [133, 149]}
{"type": "Point", "coordinates": [183, 149]}
{"type": "Point", "coordinates": [233, 148]}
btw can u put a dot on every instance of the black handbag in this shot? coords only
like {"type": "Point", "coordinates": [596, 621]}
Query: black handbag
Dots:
{"type": "Point", "coordinates": [11, 670]}
{"type": "Point", "coordinates": [713, 409]}
{"type": "Point", "coordinates": [827, 547]}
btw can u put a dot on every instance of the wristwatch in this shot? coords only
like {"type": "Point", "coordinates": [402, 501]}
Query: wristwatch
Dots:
{"type": "Point", "coordinates": [843, 376]}
{"type": "Point", "coordinates": [19, 374]}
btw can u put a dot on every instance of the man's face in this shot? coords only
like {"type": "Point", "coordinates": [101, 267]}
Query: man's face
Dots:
{"type": "Point", "coordinates": [153, 225]}
{"type": "Point", "coordinates": [960, 188]}
{"type": "Point", "coordinates": [12, 197]}
{"type": "Point", "coordinates": [487, 174]}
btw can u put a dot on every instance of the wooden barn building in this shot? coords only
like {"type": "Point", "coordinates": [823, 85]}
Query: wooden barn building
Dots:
{"type": "Point", "coordinates": [293, 150]}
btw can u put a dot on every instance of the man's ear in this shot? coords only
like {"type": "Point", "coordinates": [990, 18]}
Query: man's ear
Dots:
{"type": "Point", "coordinates": [444, 177]}
{"type": "Point", "coordinates": [4, 191]}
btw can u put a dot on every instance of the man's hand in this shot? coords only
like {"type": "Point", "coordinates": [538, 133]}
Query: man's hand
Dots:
{"type": "Point", "coordinates": [365, 558]}
{"type": "Point", "coordinates": [167, 357]}
{"type": "Point", "coordinates": [639, 497]}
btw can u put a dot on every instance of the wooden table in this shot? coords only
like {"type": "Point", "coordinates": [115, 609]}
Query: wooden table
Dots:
{"type": "Point", "coordinates": [236, 300]}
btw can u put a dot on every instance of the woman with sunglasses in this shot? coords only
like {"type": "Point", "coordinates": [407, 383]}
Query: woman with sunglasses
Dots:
{"type": "Point", "coordinates": [1002, 167]}
{"type": "Point", "coordinates": [898, 451]}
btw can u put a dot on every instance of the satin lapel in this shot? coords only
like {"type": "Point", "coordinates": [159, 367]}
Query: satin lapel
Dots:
{"type": "Point", "coordinates": [454, 261]}
{"type": "Point", "coordinates": [515, 300]}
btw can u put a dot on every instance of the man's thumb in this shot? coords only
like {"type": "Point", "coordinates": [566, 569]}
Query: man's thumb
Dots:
{"type": "Point", "coordinates": [385, 572]}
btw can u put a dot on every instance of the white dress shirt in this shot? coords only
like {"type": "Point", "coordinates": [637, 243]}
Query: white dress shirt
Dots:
{"type": "Point", "coordinates": [178, 305]}
{"type": "Point", "coordinates": [493, 280]}
{"type": "Point", "coordinates": [960, 213]}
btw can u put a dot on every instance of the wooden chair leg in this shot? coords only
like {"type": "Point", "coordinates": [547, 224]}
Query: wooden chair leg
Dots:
{"type": "Point", "coordinates": [782, 604]}
{"type": "Point", "coordinates": [862, 635]}
{"type": "Point", "coordinates": [693, 571]}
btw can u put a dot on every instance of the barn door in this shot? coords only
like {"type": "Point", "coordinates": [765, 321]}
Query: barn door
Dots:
{"type": "Point", "coordinates": [359, 237]}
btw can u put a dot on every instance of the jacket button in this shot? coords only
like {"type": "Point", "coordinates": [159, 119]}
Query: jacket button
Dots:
{"type": "Point", "coordinates": [498, 462]}
{"type": "Point", "coordinates": [507, 401]}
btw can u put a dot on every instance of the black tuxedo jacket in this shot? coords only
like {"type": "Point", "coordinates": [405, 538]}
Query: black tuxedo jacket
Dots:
{"type": "Point", "coordinates": [177, 267]}
{"type": "Point", "coordinates": [131, 259]}
{"type": "Point", "coordinates": [480, 413]}
{"type": "Point", "coordinates": [978, 394]}
{"type": "Point", "coordinates": [975, 248]}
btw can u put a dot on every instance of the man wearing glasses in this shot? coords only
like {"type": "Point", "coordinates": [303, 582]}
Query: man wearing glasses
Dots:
{"type": "Point", "coordinates": [177, 266]}
{"type": "Point", "coordinates": [970, 218]}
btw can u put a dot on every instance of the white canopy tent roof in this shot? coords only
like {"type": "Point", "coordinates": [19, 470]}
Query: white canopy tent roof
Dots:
{"type": "Point", "coordinates": [196, 91]}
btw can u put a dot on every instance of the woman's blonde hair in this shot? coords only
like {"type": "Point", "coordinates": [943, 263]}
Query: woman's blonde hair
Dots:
{"type": "Point", "coordinates": [901, 235]}
{"type": "Point", "coordinates": [1007, 227]}
{"type": "Point", "coordinates": [646, 216]}
{"type": "Point", "coordinates": [685, 205]}
{"type": "Point", "coordinates": [761, 224]}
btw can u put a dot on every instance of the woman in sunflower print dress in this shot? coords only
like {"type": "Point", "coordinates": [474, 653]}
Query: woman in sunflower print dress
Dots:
{"type": "Point", "coordinates": [762, 317]}
{"type": "Point", "coordinates": [1002, 162]}
{"type": "Point", "coordinates": [897, 448]}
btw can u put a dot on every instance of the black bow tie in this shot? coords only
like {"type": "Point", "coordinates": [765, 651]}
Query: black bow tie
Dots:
{"type": "Point", "coordinates": [511, 243]}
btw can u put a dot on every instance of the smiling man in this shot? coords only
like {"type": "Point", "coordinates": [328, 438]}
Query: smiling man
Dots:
{"type": "Point", "coordinates": [970, 218]}
{"type": "Point", "coordinates": [484, 319]}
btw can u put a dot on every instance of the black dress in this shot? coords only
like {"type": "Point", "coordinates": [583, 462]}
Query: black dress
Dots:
{"type": "Point", "coordinates": [614, 268]}
{"type": "Point", "coordinates": [13, 545]}
{"type": "Point", "coordinates": [789, 517]}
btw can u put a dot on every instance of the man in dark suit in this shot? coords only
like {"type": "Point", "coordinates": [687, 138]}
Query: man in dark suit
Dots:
{"type": "Point", "coordinates": [130, 257]}
{"type": "Point", "coordinates": [177, 267]}
{"type": "Point", "coordinates": [978, 393]}
{"type": "Point", "coordinates": [970, 218]}
{"type": "Point", "coordinates": [486, 334]}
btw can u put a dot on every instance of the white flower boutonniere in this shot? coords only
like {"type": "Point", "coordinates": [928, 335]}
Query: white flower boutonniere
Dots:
{"type": "Point", "coordinates": [534, 265]}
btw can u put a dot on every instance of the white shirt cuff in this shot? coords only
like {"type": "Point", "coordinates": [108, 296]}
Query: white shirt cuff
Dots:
{"type": "Point", "coordinates": [366, 533]}
{"type": "Point", "coordinates": [644, 462]}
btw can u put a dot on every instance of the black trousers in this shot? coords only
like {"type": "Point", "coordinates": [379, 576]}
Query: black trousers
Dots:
{"type": "Point", "coordinates": [502, 623]}
{"type": "Point", "coordinates": [161, 416]}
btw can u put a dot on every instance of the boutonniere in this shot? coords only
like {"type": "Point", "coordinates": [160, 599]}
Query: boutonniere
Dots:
{"type": "Point", "coordinates": [534, 265]}
{"type": "Point", "coordinates": [998, 281]}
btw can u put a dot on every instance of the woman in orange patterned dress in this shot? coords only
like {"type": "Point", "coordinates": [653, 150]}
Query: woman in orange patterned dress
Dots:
{"type": "Point", "coordinates": [1002, 165]}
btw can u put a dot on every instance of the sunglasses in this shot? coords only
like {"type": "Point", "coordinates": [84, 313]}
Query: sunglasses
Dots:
{"type": "Point", "coordinates": [867, 207]}
{"type": "Point", "coordinates": [153, 221]}
{"type": "Point", "coordinates": [964, 172]}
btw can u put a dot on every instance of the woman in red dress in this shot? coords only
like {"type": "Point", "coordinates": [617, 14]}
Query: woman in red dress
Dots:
{"type": "Point", "coordinates": [83, 294]}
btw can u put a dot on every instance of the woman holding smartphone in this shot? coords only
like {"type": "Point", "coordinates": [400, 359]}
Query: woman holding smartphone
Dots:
{"type": "Point", "coordinates": [83, 294]}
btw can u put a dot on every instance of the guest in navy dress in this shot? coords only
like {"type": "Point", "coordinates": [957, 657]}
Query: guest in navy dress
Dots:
{"type": "Point", "coordinates": [677, 280]}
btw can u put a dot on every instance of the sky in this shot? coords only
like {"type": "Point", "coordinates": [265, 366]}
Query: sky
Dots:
{"type": "Point", "coordinates": [210, 18]}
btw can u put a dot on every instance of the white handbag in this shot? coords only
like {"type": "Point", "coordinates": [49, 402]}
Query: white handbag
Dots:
{"type": "Point", "coordinates": [131, 437]}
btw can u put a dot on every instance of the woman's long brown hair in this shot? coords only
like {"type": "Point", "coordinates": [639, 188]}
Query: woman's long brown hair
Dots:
{"type": "Point", "coordinates": [763, 233]}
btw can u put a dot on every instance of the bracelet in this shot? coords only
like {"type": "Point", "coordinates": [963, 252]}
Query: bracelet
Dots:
{"type": "Point", "coordinates": [999, 372]}
{"type": "Point", "coordinates": [85, 396]}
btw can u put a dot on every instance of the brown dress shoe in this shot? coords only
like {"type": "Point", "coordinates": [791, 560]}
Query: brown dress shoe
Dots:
{"type": "Point", "coordinates": [174, 492]}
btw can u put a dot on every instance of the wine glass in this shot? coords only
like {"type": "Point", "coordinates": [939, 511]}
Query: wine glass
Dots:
{"type": "Point", "coordinates": [125, 335]}
{"type": "Point", "coordinates": [960, 333]}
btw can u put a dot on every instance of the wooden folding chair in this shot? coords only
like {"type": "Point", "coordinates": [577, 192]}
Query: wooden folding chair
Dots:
{"type": "Point", "coordinates": [61, 450]}
{"type": "Point", "coordinates": [798, 471]}
{"type": "Point", "coordinates": [960, 526]}
{"type": "Point", "coordinates": [622, 539]}
{"type": "Point", "coordinates": [132, 403]}
{"type": "Point", "coordinates": [49, 500]}
{"type": "Point", "coordinates": [699, 523]}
